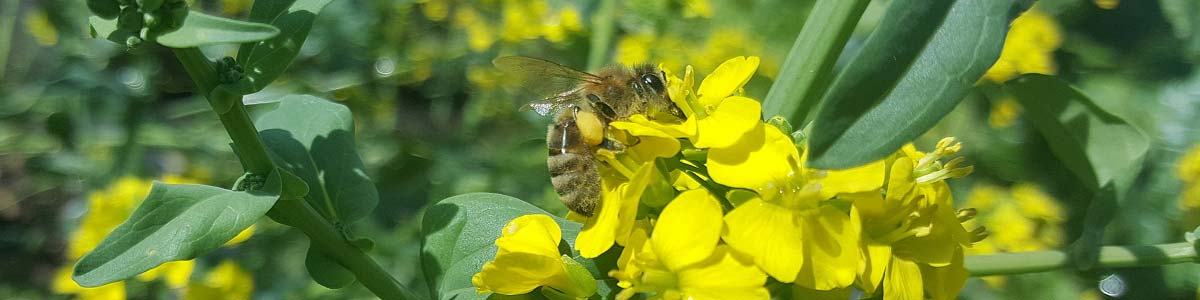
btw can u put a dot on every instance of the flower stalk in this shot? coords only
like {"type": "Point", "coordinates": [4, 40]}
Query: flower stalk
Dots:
{"type": "Point", "coordinates": [254, 158]}
{"type": "Point", "coordinates": [1110, 257]}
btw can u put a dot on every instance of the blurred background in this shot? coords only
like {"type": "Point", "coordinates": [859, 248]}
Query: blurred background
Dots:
{"type": "Point", "coordinates": [86, 126]}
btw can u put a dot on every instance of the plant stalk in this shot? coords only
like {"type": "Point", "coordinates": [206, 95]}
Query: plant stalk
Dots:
{"type": "Point", "coordinates": [294, 212]}
{"type": "Point", "coordinates": [808, 69]}
{"type": "Point", "coordinates": [1110, 257]}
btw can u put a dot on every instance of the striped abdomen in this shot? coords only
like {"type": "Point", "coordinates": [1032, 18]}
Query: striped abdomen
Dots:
{"type": "Point", "coordinates": [572, 166]}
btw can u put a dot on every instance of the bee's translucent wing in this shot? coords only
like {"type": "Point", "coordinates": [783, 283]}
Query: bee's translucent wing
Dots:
{"type": "Point", "coordinates": [549, 85]}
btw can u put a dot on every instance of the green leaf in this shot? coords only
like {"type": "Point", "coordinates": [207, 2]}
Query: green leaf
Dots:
{"type": "Point", "coordinates": [175, 222]}
{"type": "Point", "coordinates": [313, 139]}
{"type": "Point", "coordinates": [1103, 151]}
{"type": "Point", "coordinates": [200, 29]}
{"type": "Point", "coordinates": [459, 235]}
{"type": "Point", "coordinates": [1097, 146]}
{"type": "Point", "coordinates": [865, 117]}
{"type": "Point", "coordinates": [325, 271]}
{"type": "Point", "coordinates": [266, 60]}
{"type": "Point", "coordinates": [808, 69]}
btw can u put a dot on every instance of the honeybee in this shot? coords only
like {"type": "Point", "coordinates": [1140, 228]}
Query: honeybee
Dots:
{"type": "Point", "coordinates": [583, 104]}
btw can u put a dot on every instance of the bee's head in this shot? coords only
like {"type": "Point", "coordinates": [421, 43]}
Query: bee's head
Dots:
{"type": "Point", "coordinates": [651, 86]}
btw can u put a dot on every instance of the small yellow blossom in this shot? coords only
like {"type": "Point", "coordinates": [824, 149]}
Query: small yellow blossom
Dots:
{"type": "Point", "coordinates": [683, 259]}
{"type": "Point", "coordinates": [1188, 171]}
{"type": "Point", "coordinates": [1004, 113]}
{"type": "Point", "coordinates": [528, 258]}
{"type": "Point", "coordinates": [912, 237]}
{"type": "Point", "coordinates": [1028, 48]}
{"type": "Point", "coordinates": [227, 281]}
{"type": "Point", "coordinates": [1020, 218]}
{"type": "Point", "coordinates": [39, 26]}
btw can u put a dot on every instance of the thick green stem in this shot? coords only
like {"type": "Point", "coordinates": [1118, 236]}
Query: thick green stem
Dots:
{"type": "Point", "coordinates": [808, 69]}
{"type": "Point", "coordinates": [1110, 257]}
{"type": "Point", "coordinates": [297, 213]}
{"type": "Point", "coordinates": [294, 212]}
{"type": "Point", "coordinates": [603, 25]}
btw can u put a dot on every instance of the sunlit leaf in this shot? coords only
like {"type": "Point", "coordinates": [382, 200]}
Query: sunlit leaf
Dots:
{"type": "Point", "coordinates": [868, 114]}
{"type": "Point", "coordinates": [175, 222]}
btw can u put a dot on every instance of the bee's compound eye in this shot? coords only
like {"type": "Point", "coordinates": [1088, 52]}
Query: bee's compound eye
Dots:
{"type": "Point", "coordinates": [593, 98]}
{"type": "Point", "coordinates": [653, 82]}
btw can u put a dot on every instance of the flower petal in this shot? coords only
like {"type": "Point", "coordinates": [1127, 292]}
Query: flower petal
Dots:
{"type": "Point", "coordinates": [534, 234]}
{"type": "Point", "coordinates": [944, 283]}
{"type": "Point", "coordinates": [903, 281]}
{"type": "Point", "coordinates": [770, 234]}
{"type": "Point", "coordinates": [728, 122]}
{"type": "Point", "coordinates": [762, 161]}
{"type": "Point", "coordinates": [833, 237]}
{"type": "Point", "coordinates": [653, 143]}
{"type": "Point", "coordinates": [688, 229]}
{"type": "Point", "coordinates": [724, 275]}
{"type": "Point", "coordinates": [866, 178]}
{"type": "Point", "coordinates": [600, 230]}
{"type": "Point", "coordinates": [876, 259]}
{"type": "Point", "coordinates": [730, 76]}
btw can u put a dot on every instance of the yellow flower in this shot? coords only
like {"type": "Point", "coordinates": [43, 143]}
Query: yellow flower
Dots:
{"type": "Point", "coordinates": [528, 258]}
{"type": "Point", "coordinates": [1022, 218]}
{"type": "Point", "coordinates": [1028, 48]}
{"type": "Point", "coordinates": [41, 28]}
{"type": "Point", "coordinates": [1188, 171]}
{"type": "Point", "coordinates": [227, 281]}
{"type": "Point", "coordinates": [789, 228]}
{"type": "Point", "coordinates": [721, 117]}
{"type": "Point", "coordinates": [479, 34]}
{"type": "Point", "coordinates": [682, 258]}
{"type": "Point", "coordinates": [613, 220]}
{"type": "Point", "coordinates": [912, 237]}
{"type": "Point", "coordinates": [1004, 113]}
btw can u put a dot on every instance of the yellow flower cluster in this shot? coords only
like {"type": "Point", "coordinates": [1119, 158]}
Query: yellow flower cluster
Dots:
{"type": "Point", "coordinates": [1188, 171]}
{"type": "Point", "coordinates": [107, 209]}
{"type": "Point", "coordinates": [517, 20]}
{"type": "Point", "coordinates": [709, 206]}
{"type": "Point", "coordinates": [1028, 48]}
{"type": "Point", "coordinates": [668, 49]}
{"type": "Point", "coordinates": [1019, 218]}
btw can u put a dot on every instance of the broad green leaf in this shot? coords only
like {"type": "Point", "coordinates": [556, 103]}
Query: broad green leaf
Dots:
{"type": "Point", "coordinates": [866, 119]}
{"type": "Point", "coordinates": [1097, 146]}
{"type": "Point", "coordinates": [313, 139]}
{"type": "Point", "coordinates": [200, 29]}
{"type": "Point", "coordinates": [808, 69]}
{"type": "Point", "coordinates": [1103, 151]}
{"type": "Point", "coordinates": [175, 222]}
{"type": "Point", "coordinates": [266, 60]}
{"type": "Point", "coordinates": [459, 235]}
{"type": "Point", "coordinates": [325, 271]}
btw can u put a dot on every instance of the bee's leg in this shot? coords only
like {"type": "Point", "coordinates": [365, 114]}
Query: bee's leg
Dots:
{"type": "Point", "coordinates": [613, 145]}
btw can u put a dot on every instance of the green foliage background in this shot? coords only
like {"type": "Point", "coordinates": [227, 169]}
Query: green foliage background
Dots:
{"type": "Point", "coordinates": [77, 113]}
